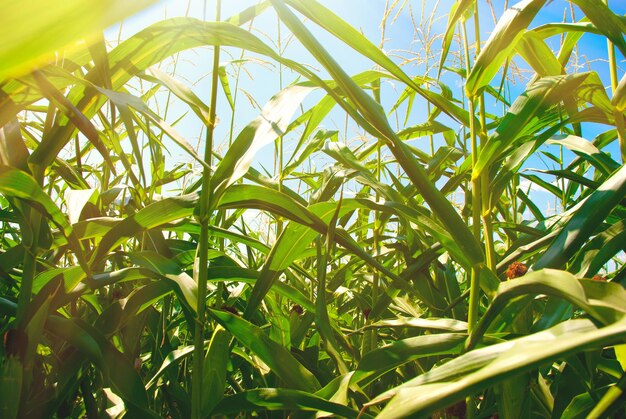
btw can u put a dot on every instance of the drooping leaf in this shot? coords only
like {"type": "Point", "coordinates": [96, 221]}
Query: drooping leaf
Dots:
{"type": "Point", "coordinates": [281, 399]}
{"type": "Point", "coordinates": [485, 367]}
{"type": "Point", "coordinates": [529, 106]}
{"type": "Point", "coordinates": [172, 359]}
{"type": "Point", "coordinates": [534, 50]}
{"type": "Point", "coordinates": [277, 357]}
{"type": "Point", "coordinates": [117, 368]}
{"type": "Point", "coordinates": [383, 359]}
{"type": "Point", "coordinates": [156, 214]}
{"type": "Point", "coordinates": [588, 216]}
{"type": "Point", "coordinates": [372, 112]}
{"type": "Point", "coordinates": [352, 37]}
{"type": "Point", "coordinates": [76, 200]}
{"type": "Point", "coordinates": [270, 125]}
{"type": "Point", "coordinates": [605, 20]}
{"type": "Point", "coordinates": [498, 48]}
{"type": "Point", "coordinates": [600, 300]}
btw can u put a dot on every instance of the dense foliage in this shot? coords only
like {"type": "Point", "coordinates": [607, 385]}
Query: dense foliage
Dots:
{"type": "Point", "coordinates": [415, 274]}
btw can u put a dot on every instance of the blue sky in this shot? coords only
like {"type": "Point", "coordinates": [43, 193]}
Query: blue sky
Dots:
{"type": "Point", "coordinates": [403, 42]}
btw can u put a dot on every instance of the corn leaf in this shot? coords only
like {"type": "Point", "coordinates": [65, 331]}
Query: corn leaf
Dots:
{"type": "Point", "coordinates": [500, 45]}
{"type": "Point", "coordinates": [588, 216]}
{"type": "Point", "coordinates": [26, 47]}
{"type": "Point", "coordinates": [279, 359]}
{"type": "Point", "coordinates": [606, 22]}
{"type": "Point", "coordinates": [527, 108]}
{"type": "Point", "coordinates": [381, 360]}
{"type": "Point", "coordinates": [214, 370]}
{"type": "Point", "coordinates": [487, 366]}
{"type": "Point", "coordinates": [281, 399]}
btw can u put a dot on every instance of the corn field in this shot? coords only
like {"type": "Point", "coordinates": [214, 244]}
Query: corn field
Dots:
{"type": "Point", "coordinates": [215, 215]}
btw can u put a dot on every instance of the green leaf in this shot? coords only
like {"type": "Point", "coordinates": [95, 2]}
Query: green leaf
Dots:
{"type": "Point", "coordinates": [125, 101]}
{"type": "Point", "coordinates": [295, 238]}
{"type": "Point", "coordinates": [602, 301]}
{"type": "Point", "coordinates": [544, 184]}
{"type": "Point", "coordinates": [144, 49]}
{"type": "Point", "coordinates": [619, 96]}
{"type": "Point", "coordinates": [116, 367]}
{"type": "Point", "coordinates": [527, 108]}
{"type": "Point", "coordinates": [356, 40]}
{"type": "Point", "coordinates": [18, 184]}
{"type": "Point", "coordinates": [485, 367]}
{"type": "Point", "coordinates": [459, 11]}
{"type": "Point", "coordinates": [170, 270]}
{"type": "Point", "coordinates": [7, 307]}
{"type": "Point", "coordinates": [344, 155]}
{"type": "Point", "coordinates": [312, 145]}
{"type": "Point", "coordinates": [226, 86]}
{"type": "Point", "coordinates": [588, 216]}
{"type": "Point", "coordinates": [372, 112]}
{"type": "Point", "coordinates": [381, 360]}
{"type": "Point", "coordinates": [586, 150]}
{"type": "Point", "coordinates": [10, 386]}
{"type": "Point", "coordinates": [620, 354]}
{"type": "Point", "coordinates": [500, 45]}
{"type": "Point", "coordinates": [142, 298]}
{"type": "Point", "coordinates": [422, 130]}
{"type": "Point", "coordinates": [431, 324]}
{"type": "Point", "coordinates": [154, 215]}
{"type": "Point", "coordinates": [74, 115]}
{"type": "Point", "coordinates": [71, 277]}
{"type": "Point", "coordinates": [270, 125]}
{"type": "Point", "coordinates": [13, 151]}
{"type": "Point", "coordinates": [172, 359]}
{"type": "Point", "coordinates": [181, 91]}
{"type": "Point", "coordinates": [536, 52]}
{"type": "Point", "coordinates": [264, 399]}
{"type": "Point", "coordinates": [279, 359]}
{"type": "Point", "coordinates": [26, 47]}
{"type": "Point", "coordinates": [599, 250]}
{"type": "Point", "coordinates": [214, 370]}
{"type": "Point", "coordinates": [277, 203]}
{"type": "Point", "coordinates": [76, 199]}
{"type": "Point", "coordinates": [580, 406]}
{"type": "Point", "coordinates": [607, 22]}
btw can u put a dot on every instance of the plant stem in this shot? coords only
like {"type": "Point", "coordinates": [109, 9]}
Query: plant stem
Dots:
{"type": "Point", "coordinates": [484, 179]}
{"type": "Point", "coordinates": [279, 141]}
{"type": "Point", "coordinates": [376, 232]}
{"type": "Point", "coordinates": [34, 221]}
{"type": "Point", "coordinates": [485, 189]}
{"type": "Point", "coordinates": [201, 262]}
{"type": "Point", "coordinates": [619, 116]}
{"type": "Point", "coordinates": [33, 218]}
{"type": "Point", "coordinates": [609, 399]}
{"type": "Point", "coordinates": [475, 273]}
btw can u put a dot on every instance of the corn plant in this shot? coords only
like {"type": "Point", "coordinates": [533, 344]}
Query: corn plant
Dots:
{"type": "Point", "coordinates": [399, 267]}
